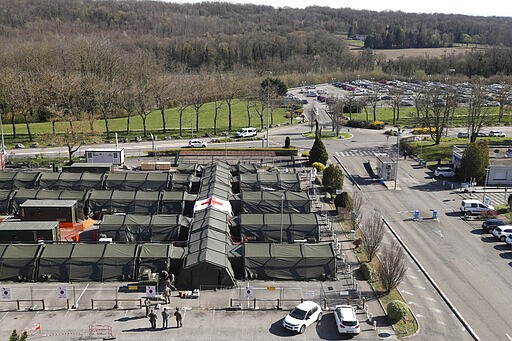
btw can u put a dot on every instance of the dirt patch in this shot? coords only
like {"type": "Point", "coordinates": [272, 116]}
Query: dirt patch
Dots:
{"type": "Point", "coordinates": [423, 52]}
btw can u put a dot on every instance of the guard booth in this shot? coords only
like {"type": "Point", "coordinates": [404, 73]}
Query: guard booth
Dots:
{"type": "Point", "coordinates": [386, 168]}
{"type": "Point", "coordinates": [114, 156]}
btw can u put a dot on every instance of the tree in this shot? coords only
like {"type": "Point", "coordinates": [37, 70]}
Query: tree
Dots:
{"type": "Point", "coordinates": [478, 115]}
{"type": "Point", "coordinates": [474, 162]}
{"type": "Point", "coordinates": [332, 178]}
{"type": "Point", "coordinates": [15, 337]}
{"type": "Point", "coordinates": [318, 152]}
{"type": "Point", "coordinates": [393, 266]}
{"type": "Point", "coordinates": [372, 232]}
{"type": "Point", "coordinates": [335, 113]}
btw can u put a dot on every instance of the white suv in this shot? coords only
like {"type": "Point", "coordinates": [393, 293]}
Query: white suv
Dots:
{"type": "Point", "coordinates": [197, 144]}
{"type": "Point", "coordinates": [497, 133]}
{"type": "Point", "coordinates": [246, 132]}
{"type": "Point", "coordinates": [444, 172]}
{"type": "Point", "coordinates": [302, 316]}
{"type": "Point", "coordinates": [502, 232]}
{"type": "Point", "coordinates": [346, 319]}
{"type": "Point", "coordinates": [508, 240]}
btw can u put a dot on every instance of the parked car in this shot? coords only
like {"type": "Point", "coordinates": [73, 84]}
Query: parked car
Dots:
{"type": "Point", "coordinates": [497, 133]}
{"type": "Point", "coordinates": [462, 135]}
{"type": "Point", "coordinates": [508, 240]}
{"type": "Point", "coordinates": [311, 94]}
{"type": "Point", "coordinates": [302, 316]}
{"type": "Point", "coordinates": [444, 172]}
{"type": "Point", "coordinates": [502, 232]}
{"type": "Point", "coordinates": [490, 224]}
{"type": "Point", "coordinates": [346, 319]}
{"type": "Point", "coordinates": [197, 144]}
{"type": "Point", "coordinates": [470, 206]}
{"type": "Point", "coordinates": [482, 134]}
{"type": "Point", "coordinates": [19, 146]}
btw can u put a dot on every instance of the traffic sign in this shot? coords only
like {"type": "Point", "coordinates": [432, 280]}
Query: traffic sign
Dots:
{"type": "Point", "coordinates": [150, 291]}
{"type": "Point", "coordinates": [248, 293]}
{"type": "Point", "coordinates": [62, 292]}
{"type": "Point", "coordinates": [6, 293]}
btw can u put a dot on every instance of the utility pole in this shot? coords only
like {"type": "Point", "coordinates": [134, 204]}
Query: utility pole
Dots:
{"type": "Point", "coordinates": [269, 73]}
{"type": "Point", "coordinates": [397, 154]}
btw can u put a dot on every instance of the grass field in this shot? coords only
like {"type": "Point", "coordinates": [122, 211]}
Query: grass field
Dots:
{"type": "Point", "coordinates": [41, 131]}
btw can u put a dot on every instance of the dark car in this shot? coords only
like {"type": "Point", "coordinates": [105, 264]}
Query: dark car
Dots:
{"type": "Point", "coordinates": [490, 224]}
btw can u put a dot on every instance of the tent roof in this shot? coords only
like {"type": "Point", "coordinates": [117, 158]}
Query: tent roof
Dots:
{"type": "Point", "coordinates": [100, 194]}
{"type": "Point", "coordinates": [273, 250]}
{"type": "Point", "coordinates": [16, 251]}
{"type": "Point", "coordinates": [28, 225]}
{"type": "Point", "coordinates": [7, 176]}
{"type": "Point", "coordinates": [155, 251]}
{"type": "Point", "coordinates": [147, 196]}
{"type": "Point", "coordinates": [57, 250]}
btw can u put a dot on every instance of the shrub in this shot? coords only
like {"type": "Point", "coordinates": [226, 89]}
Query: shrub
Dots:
{"type": "Point", "coordinates": [318, 166]}
{"type": "Point", "coordinates": [376, 125]}
{"type": "Point", "coordinates": [367, 271]}
{"type": "Point", "coordinates": [343, 200]}
{"type": "Point", "coordinates": [306, 153]}
{"type": "Point", "coordinates": [356, 124]}
{"type": "Point", "coordinates": [418, 131]}
{"type": "Point", "coordinates": [396, 310]}
{"type": "Point", "coordinates": [332, 178]}
{"type": "Point", "coordinates": [287, 142]}
{"type": "Point", "coordinates": [318, 153]}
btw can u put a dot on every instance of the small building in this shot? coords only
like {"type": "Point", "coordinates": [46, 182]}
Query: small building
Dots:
{"type": "Point", "coordinates": [60, 210]}
{"type": "Point", "coordinates": [29, 231]}
{"type": "Point", "coordinates": [500, 164]}
{"type": "Point", "coordinates": [114, 156]}
{"type": "Point", "coordinates": [386, 168]}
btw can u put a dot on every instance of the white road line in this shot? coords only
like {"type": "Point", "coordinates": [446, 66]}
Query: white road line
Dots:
{"type": "Point", "coordinates": [83, 292]}
{"type": "Point", "coordinates": [5, 315]}
{"type": "Point", "coordinates": [508, 337]}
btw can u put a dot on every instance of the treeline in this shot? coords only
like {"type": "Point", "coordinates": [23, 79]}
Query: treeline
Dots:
{"type": "Point", "coordinates": [227, 37]}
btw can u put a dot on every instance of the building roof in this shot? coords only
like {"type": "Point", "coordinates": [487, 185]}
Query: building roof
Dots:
{"type": "Point", "coordinates": [48, 203]}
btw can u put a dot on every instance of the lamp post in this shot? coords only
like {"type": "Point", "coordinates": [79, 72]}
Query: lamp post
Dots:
{"type": "Point", "coordinates": [397, 154]}
{"type": "Point", "coordinates": [281, 230]}
{"type": "Point", "coordinates": [485, 183]}
{"type": "Point", "coordinates": [269, 73]}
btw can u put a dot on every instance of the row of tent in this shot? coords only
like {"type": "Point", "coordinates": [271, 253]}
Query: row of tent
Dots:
{"type": "Point", "coordinates": [140, 181]}
{"type": "Point", "coordinates": [164, 202]}
{"type": "Point", "coordinates": [145, 181]}
{"type": "Point", "coordinates": [114, 262]}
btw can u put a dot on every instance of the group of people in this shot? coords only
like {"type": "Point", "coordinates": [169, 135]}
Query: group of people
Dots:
{"type": "Point", "coordinates": [168, 280]}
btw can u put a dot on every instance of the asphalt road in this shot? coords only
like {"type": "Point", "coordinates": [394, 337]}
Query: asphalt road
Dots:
{"type": "Point", "coordinates": [472, 269]}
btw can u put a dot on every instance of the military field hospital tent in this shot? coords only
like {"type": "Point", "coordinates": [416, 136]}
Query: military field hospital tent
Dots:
{"type": "Point", "coordinates": [289, 261]}
{"type": "Point", "coordinates": [71, 181]}
{"type": "Point", "coordinates": [18, 261]}
{"type": "Point", "coordinates": [276, 227]}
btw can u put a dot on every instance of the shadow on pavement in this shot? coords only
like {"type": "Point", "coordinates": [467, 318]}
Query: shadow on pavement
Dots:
{"type": "Point", "coordinates": [506, 255]}
{"type": "Point", "coordinates": [502, 247]}
{"type": "Point", "coordinates": [326, 328]}
{"type": "Point", "coordinates": [489, 239]}
{"type": "Point", "coordinates": [478, 231]}
{"type": "Point", "coordinates": [141, 329]}
{"type": "Point", "coordinates": [130, 318]}
{"type": "Point", "coordinates": [277, 329]}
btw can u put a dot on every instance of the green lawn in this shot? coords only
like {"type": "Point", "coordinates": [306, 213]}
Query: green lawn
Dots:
{"type": "Point", "coordinates": [154, 123]}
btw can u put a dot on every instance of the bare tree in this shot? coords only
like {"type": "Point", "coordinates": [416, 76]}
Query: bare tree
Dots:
{"type": "Point", "coordinates": [478, 115]}
{"type": "Point", "coordinates": [372, 232]}
{"type": "Point", "coordinates": [357, 207]}
{"type": "Point", "coordinates": [396, 94]}
{"type": "Point", "coordinates": [393, 266]}
{"type": "Point", "coordinates": [335, 113]}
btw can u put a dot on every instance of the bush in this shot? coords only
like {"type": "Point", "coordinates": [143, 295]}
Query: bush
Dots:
{"type": "Point", "coordinates": [343, 200]}
{"type": "Point", "coordinates": [287, 142]}
{"type": "Point", "coordinates": [356, 124]}
{"type": "Point", "coordinates": [376, 125]}
{"type": "Point", "coordinates": [306, 153]}
{"type": "Point", "coordinates": [332, 178]}
{"type": "Point", "coordinates": [318, 166]}
{"type": "Point", "coordinates": [396, 310]}
{"type": "Point", "coordinates": [421, 131]}
{"type": "Point", "coordinates": [318, 153]}
{"type": "Point", "coordinates": [367, 271]}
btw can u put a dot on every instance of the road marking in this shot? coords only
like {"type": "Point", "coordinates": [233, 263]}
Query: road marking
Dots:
{"type": "Point", "coordinates": [83, 292]}
{"type": "Point", "coordinates": [508, 337]}
{"type": "Point", "coordinates": [419, 315]}
{"type": "Point", "coordinates": [5, 315]}
{"type": "Point", "coordinates": [406, 292]}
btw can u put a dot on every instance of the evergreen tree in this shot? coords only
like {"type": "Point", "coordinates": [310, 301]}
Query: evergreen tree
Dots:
{"type": "Point", "coordinates": [318, 153]}
{"type": "Point", "coordinates": [475, 161]}
{"type": "Point", "coordinates": [333, 178]}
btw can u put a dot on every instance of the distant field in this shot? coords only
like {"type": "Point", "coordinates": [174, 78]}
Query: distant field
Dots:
{"type": "Point", "coordinates": [429, 52]}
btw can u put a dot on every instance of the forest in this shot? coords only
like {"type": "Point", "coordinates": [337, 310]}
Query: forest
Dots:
{"type": "Point", "coordinates": [84, 60]}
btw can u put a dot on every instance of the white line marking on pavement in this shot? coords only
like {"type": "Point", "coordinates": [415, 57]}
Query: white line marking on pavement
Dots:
{"type": "Point", "coordinates": [508, 337]}
{"type": "Point", "coordinates": [406, 292]}
{"type": "Point", "coordinates": [5, 315]}
{"type": "Point", "coordinates": [83, 292]}
{"type": "Point", "coordinates": [430, 299]}
{"type": "Point", "coordinates": [419, 316]}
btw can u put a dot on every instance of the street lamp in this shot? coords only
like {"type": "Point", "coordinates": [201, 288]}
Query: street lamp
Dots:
{"type": "Point", "coordinates": [397, 154]}
{"type": "Point", "coordinates": [485, 183]}
{"type": "Point", "coordinates": [269, 73]}
{"type": "Point", "coordinates": [282, 204]}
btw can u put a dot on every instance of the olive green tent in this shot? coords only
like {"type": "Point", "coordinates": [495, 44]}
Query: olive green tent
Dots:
{"type": "Point", "coordinates": [289, 261]}
{"type": "Point", "coordinates": [54, 262]}
{"type": "Point", "coordinates": [6, 196]}
{"type": "Point", "coordinates": [18, 261]}
{"type": "Point", "coordinates": [12, 180]}
{"type": "Point", "coordinates": [276, 227]}
{"type": "Point", "coordinates": [269, 181]}
{"type": "Point", "coordinates": [158, 257]}
{"type": "Point", "coordinates": [140, 181]}
{"type": "Point", "coordinates": [71, 181]}
{"type": "Point", "coordinates": [271, 202]}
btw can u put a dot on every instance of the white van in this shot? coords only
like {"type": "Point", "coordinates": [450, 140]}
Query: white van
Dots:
{"type": "Point", "coordinates": [246, 132]}
{"type": "Point", "coordinates": [471, 206]}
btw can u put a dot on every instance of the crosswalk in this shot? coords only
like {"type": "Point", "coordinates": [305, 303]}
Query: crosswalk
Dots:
{"type": "Point", "coordinates": [374, 151]}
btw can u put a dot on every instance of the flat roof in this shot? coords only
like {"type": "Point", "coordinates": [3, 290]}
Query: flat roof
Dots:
{"type": "Point", "coordinates": [28, 225]}
{"type": "Point", "coordinates": [48, 203]}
